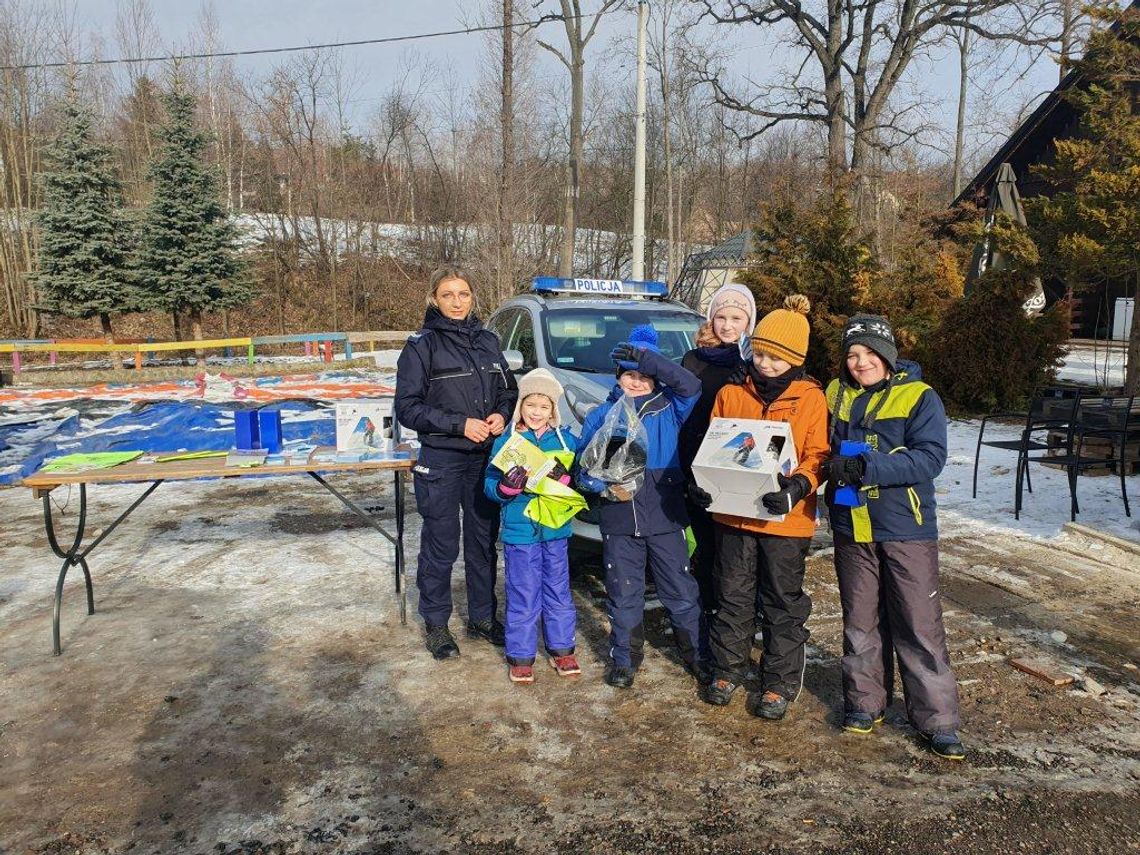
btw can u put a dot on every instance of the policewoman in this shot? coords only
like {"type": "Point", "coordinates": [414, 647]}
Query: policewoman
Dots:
{"type": "Point", "coordinates": [454, 390]}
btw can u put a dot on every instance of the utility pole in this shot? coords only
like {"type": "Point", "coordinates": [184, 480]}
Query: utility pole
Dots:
{"type": "Point", "coordinates": [637, 268]}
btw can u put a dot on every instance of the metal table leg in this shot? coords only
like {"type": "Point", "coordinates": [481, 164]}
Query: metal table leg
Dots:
{"type": "Point", "coordinates": [401, 582]}
{"type": "Point", "coordinates": [397, 541]}
{"type": "Point", "coordinates": [73, 557]}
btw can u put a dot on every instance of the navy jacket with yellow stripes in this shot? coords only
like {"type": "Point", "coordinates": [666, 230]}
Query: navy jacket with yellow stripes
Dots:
{"type": "Point", "coordinates": [905, 425]}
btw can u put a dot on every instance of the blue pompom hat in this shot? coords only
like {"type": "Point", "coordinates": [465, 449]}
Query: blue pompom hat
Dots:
{"type": "Point", "coordinates": [644, 337]}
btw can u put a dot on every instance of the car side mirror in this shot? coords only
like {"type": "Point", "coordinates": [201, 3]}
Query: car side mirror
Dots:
{"type": "Point", "coordinates": [514, 359]}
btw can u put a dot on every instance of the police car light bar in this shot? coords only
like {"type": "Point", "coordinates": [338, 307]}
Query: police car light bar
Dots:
{"type": "Point", "coordinates": [607, 287]}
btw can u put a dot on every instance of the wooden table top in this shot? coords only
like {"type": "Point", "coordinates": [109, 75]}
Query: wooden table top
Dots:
{"type": "Point", "coordinates": [210, 467]}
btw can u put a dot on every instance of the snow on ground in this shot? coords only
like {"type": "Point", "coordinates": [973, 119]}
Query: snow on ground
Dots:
{"type": "Point", "coordinates": [1096, 366]}
{"type": "Point", "coordinates": [1044, 511]}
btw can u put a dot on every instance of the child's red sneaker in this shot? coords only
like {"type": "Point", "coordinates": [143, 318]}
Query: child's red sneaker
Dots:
{"type": "Point", "coordinates": [521, 674]}
{"type": "Point", "coordinates": [566, 666]}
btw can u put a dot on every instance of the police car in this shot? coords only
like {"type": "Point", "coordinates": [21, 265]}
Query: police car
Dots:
{"type": "Point", "coordinates": [569, 326]}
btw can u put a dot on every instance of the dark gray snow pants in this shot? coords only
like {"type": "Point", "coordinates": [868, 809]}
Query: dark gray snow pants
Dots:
{"type": "Point", "coordinates": [891, 607]}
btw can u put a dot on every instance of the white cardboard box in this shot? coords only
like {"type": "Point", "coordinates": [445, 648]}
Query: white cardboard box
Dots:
{"type": "Point", "coordinates": [364, 425]}
{"type": "Point", "coordinates": [738, 462]}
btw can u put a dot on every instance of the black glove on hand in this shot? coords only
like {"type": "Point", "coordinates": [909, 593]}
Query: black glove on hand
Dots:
{"type": "Point", "coordinates": [792, 492]}
{"type": "Point", "coordinates": [845, 470]}
{"type": "Point", "coordinates": [698, 496]}
{"type": "Point", "coordinates": [557, 471]}
{"type": "Point", "coordinates": [626, 352]}
{"type": "Point", "coordinates": [513, 479]}
{"type": "Point", "coordinates": [738, 376]}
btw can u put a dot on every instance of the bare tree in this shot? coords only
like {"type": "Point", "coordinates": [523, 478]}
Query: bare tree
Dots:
{"type": "Point", "coordinates": [580, 29]}
{"type": "Point", "coordinates": [859, 51]}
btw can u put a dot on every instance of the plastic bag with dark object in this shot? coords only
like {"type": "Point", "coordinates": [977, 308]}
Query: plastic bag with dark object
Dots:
{"type": "Point", "coordinates": [617, 453]}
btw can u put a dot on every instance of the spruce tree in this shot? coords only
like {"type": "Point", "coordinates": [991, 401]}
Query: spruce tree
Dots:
{"type": "Point", "coordinates": [1090, 229]}
{"type": "Point", "coordinates": [85, 238]}
{"type": "Point", "coordinates": [188, 256]}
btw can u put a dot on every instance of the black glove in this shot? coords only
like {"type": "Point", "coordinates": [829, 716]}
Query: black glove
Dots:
{"type": "Point", "coordinates": [626, 352]}
{"type": "Point", "coordinates": [698, 496]}
{"type": "Point", "coordinates": [845, 470]}
{"type": "Point", "coordinates": [514, 479]}
{"type": "Point", "coordinates": [738, 376]}
{"type": "Point", "coordinates": [557, 471]}
{"type": "Point", "coordinates": [792, 492]}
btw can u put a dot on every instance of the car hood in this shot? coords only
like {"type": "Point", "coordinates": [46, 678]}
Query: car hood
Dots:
{"type": "Point", "coordinates": [581, 386]}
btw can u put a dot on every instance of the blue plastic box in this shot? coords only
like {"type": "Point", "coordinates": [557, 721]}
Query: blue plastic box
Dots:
{"type": "Point", "coordinates": [246, 436]}
{"type": "Point", "coordinates": [269, 427]}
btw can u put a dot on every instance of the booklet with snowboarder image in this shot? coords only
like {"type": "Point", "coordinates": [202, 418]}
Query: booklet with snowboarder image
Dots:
{"type": "Point", "coordinates": [520, 451]}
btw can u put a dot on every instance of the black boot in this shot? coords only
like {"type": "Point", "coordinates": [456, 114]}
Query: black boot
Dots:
{"type": "Point", "coordinates": [770, 706]}
{"type": "Point", "coordinates": [946, 745]}
{"type": "Point", "coordinates": [718, 692]}
{"type": "Point", "coordinates": [619, 677]}
{"type": "Point", "coordinates": [441, 643]}
{"type": "Point", "coordinates": [488, 630]}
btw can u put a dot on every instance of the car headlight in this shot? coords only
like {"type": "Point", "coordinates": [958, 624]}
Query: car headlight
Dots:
{"type": "Point", "coordinates": [581, 403]}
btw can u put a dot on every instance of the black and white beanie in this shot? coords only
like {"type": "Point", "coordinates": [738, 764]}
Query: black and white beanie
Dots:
{"type": "Point", "coordinates": [873, 332]}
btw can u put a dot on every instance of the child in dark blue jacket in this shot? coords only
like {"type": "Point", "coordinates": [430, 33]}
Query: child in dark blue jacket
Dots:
{"type": "Point", "coordinates": [534, 550]}
{"type": "Point", "coordinates": [650, 527]}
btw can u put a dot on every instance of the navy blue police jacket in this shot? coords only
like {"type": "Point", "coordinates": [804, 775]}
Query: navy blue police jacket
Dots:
{"type": "Point", "coordinates": [448, 372]}
{"type": "Point", "coordinates": [659, 506]}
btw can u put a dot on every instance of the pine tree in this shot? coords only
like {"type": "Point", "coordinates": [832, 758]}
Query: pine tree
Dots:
{"type": "Point", "coordinates": [1090, 229]}
{"type": "Point", "coordinates": [188, 259]}
{"type": "Point", "coordinates": [85, 237]}
{"type": "Point", "coordinates": [818, 252]}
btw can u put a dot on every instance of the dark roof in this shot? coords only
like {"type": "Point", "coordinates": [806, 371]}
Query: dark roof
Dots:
{"type": "Point", "coordinates": [1029, 143]}
{"type": "Point", "coordinates": [731, 253]}
{"type": "Point", "coordinates": [1026, 143]}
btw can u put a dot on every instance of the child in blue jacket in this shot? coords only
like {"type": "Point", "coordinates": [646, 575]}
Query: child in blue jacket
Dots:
{"type": "Point", "coordinates": [535, 555]}
{"type": "Point", "coordinates": [649, 528]}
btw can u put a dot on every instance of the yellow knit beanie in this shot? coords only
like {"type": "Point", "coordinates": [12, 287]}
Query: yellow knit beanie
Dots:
{"type": "Point", "coordinates": [784, 332]}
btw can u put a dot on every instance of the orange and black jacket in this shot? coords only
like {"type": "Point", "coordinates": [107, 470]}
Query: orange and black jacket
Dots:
{"type": "Point", "coordinates": [803, 406]}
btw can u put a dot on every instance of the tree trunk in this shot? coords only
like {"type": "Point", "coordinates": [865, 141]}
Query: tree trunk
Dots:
{"type": "Point", "coordinates": [1067, 27]}
{"type": "Point", "coordinates": [1132, 363]}
{"type": "Point", "coordinates": [504, 272]}
{"type": "Point", "coordinates": [109, 338]}
{"type": "Point", "coordinates": [196, 332]}
{"type": "Point", "coordinates": [574, 164]}
{"type": "Point", "coordinates": [963, 39]}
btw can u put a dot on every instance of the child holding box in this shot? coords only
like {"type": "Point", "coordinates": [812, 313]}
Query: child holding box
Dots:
{"type": "Point", "coordinates": [768, 555]}
{"type": "Point", "coordinates": [534, 547]}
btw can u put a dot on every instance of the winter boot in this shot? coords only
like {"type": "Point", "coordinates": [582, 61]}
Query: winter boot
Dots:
{"type": "Point", "coordinates": [770, 706]}
{"type": "Point", "coordinates": [946, 745]}
{"type": "Point", "coordinates": [521, 673]}
{"type": "Point", "coordinates": [861, 722]}
{"type": "Point", "coordinates": [620, 677]}
{"type": "Point", "coordinates": [441, 643]}
{"type": "Point", "coordinates": [488, 630]}
{"type": "Point", "coordinates": [566, 666]}
{"type": "Point", "coordinates": [718, 692]}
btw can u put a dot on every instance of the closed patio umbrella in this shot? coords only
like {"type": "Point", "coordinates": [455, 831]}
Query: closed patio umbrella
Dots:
{"type": "Point", "coordinates": [1006, 199]}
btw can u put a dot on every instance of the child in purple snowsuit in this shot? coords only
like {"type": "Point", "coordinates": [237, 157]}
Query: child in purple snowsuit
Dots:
{"type": "Point", "coordinates": [535, 555]}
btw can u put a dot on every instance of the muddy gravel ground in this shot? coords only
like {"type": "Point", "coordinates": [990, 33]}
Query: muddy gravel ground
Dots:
{"type": "Point", "coordinates": [246, 687]}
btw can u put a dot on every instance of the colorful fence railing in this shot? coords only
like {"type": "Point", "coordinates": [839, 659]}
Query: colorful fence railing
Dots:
{"type": "Point", "coordinates": [319, 345]}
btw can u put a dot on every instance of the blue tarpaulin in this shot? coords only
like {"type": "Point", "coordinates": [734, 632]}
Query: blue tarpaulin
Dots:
{"type": "Point", "coordinates": [25, 443]}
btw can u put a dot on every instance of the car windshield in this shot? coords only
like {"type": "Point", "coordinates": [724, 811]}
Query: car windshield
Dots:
{"type": "Point", "coordinates": [580, 339]}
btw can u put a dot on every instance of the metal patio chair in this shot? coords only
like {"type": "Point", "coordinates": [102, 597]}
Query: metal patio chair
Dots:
{"type": "Point", "coordinates": [1051, 408]}
{"type": "Point", "coordinates": [1110, 417]}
